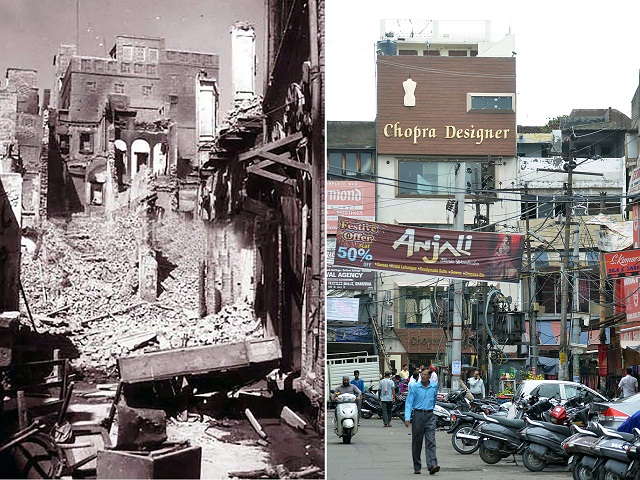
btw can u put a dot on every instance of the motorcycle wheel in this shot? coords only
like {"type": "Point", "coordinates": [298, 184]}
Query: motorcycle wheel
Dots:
{"type": "Point", "coordinates": [612, 476]}
{"type": "Point", "coordinates": [366, 415]}
{"type": "Point", "coordinates": [581, 473]}
{"type": "Point", "coordinates": [463, 445]}
{"type": "Point", "coordinates": [533, 462]}
{"type": "Point", "coordinates": [489, 456]}
{"type": "Point", "coordinates": [346, 437]}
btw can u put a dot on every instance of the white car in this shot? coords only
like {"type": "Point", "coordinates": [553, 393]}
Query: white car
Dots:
{"type": "Point", "coordinates": [558, 389]}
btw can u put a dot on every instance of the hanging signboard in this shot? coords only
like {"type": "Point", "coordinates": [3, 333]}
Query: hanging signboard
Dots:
{"type": "Point", "coordinates": [632, 298]}
{"type": "Point", "coordinates": [349, 198]}
{"type": "Point", "coordinates": [622, 263]}
{"type": "Point", "coordinates": [343, 309]}
{"type": "Point", "coordinates": [443, 253]}
{"type": "Point", "coordinates": [341, 278]}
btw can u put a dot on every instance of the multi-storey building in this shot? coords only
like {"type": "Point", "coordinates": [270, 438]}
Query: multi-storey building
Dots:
{"type": "Point", "coordinates": [149, 104]}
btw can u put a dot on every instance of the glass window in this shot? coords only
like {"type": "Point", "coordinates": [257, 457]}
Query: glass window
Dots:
{"type": "Point", "coordinates": [548, 390]}
{"type": "Point", "coordinates": [487, 102]}
{"type": "Point", "coordinates": [125, 68]}
{"type": "Point", "coordinates": [119, 87]}
{"type": "Point", "coordinates": [139, 54]}
{"type": "Point", "coordinates": [153, 55]}
{"type": "Point", "coordinates": [92, 86]}
{"type": "Point", "coordinates": [127, 53]}
{"type": "Point", "coordinates": [138, 68]}
{"type": "Point", "coordinates": [85, 64]}
{"type": "Point", "coordinates": [351, 163]}
{"type": "Point", "coordinates": [146, 90]}
{"type": "Point", "coordinates": [86, 143]}
{"type": "Point", "coordinates": [418, 307]}
{"type": "Point", "coordinates": [152, 69]}
{"type": "Point", "coordinates": [431, 177]}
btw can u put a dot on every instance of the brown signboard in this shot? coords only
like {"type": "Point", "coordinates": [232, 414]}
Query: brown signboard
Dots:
{"type": "Point", "coordinates": [622, 263]}
{"type": "Point", "coordinates": [446, 105]}
{"type": "Point", "coordinates": [442, 253]}
{"type": "Point", "coordinates": [422, 340]}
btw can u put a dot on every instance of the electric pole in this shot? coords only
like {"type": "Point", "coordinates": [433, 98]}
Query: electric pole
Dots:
{"type": "Point", "coordinates": [575, 320]}
{"type": "Point", "coordinates": [564, 272]}
{"type": "Point", "coordinates": [533, 313]}
{"type": "Point", "coordinates": [456, 350]}
{"type": "Point", "coordinates": [603, 285]}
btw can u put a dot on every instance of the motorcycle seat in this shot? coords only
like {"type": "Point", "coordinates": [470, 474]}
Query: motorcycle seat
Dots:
{"type": "Point", "coordinates": [561, 429]}
{"type": "Point", "coordinates": [627, 437]}
{"type": "Point", "coordinates": [447, 405]}
{"type": "Point", "coordinates": [477, 416]}
{"type": "Point", "coordinates": [510, 422]}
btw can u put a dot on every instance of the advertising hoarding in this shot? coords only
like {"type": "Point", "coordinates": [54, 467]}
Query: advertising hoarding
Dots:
{"type": "Point", "coordinates": [443, 253]}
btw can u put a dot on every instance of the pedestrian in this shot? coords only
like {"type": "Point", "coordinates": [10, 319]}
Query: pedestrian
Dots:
{"type": "Point", "coordinates": [476, 385]}
{"type": "Point", "coordinates": [357, 381]}
{"type": "Point", "coordinates": [628, 384]}
{"type": "Point", "coordinates": [434, 375]}
{"type": "Point", "coordinates": [387, 398]}
{"type": "Point", "coordinates": [415, 378]}
{"type": "Point", "coordinates": [418, 411]}
{"type": "Point", "coordinates": [404, 373]}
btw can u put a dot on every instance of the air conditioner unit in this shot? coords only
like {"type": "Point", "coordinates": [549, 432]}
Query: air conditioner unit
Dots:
{"type": "Point", "coordinates": [388, 320]}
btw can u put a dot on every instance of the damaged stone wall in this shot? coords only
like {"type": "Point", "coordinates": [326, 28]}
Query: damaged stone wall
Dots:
{"type": "Point", "coordinates": [81, 283]}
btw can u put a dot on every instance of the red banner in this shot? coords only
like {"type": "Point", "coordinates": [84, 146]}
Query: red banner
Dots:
{"type": "Point", "coordinates": [349, 198]}
{"type": "Point", "coordinates": [602, 360]}
{"type": "Point", "coordinates": [636, 237]}
{"type": "Point", "coordinates": [442, 253]}
{"type": "Point", "coordinates": [621, 263]}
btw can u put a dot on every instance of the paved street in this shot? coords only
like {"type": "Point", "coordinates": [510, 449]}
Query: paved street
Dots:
{"type": "Point", "coordinates": [377, 452]}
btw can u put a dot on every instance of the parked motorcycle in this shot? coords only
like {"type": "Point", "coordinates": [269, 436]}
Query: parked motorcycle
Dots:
{"type": "Point", "coordinates": [464, 438]}
{"type": "Point", "coordinates": [346, 417]}
{"type": "Point", "coordinates": [579, 446]}
{"type": "Point", "coordinates": [544, 439]}
{"type": "Point", "coordinates": [371, 405]}
{"type": "Point", "coordinates": [499, 436]}
{"type": "Point", "coordinates": [633, 454]}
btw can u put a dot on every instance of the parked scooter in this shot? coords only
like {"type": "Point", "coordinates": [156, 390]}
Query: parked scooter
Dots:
{"type": "Point", "coordinates": [633, 454]}
{"type": "Point", "coordinates": [500, 435]}
{"type": "Point", "coordinates": [346, 417]}
{"type": "Point", "coordinates": [579, 447]}
{"type": "Point", "coordinates": [544, 439]}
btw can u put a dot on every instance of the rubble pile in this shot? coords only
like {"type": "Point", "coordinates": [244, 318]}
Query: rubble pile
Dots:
{"type": "Point", "coordinates": [82, 282]}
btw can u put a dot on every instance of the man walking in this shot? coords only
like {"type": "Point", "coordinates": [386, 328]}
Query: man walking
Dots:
{"type": "Point", "coordinates": [476, 385]}
{"type": "Point", "coordinates": [628, 384]}
{"type": "Point", "coordinates": [357, 381]}
{"type": "Point", "coordinates": [387, 398]}
{"type": "Point", "coordinates": [419, 410]}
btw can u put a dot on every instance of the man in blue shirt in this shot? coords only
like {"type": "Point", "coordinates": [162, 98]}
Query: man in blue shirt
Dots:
{"type": "Point", "coordinates": [357, 381]}
{"type": "Point", "coordinates": [419, 411]}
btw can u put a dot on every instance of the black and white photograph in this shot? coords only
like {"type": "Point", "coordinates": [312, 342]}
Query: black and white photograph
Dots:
{"type": "Point", "coordinates": [162, 239]}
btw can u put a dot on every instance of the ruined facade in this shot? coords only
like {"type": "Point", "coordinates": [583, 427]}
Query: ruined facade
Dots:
{"type": "Point", "coordinates": [143, 103]}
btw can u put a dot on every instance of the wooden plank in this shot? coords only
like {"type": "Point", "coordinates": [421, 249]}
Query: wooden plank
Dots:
{"type": "Point", "coordinates": [270, 147]}
{"type": "Point", "coordinates": [285, 159]}
{"type": "Point", "coordinates": [196, 360]}
{"type": "Point", "coordinates": [269, 175]}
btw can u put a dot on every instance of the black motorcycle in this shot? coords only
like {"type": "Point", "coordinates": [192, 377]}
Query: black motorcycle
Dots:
{"type": "Point", "coordinates": [544, 440]}
{"type": "Point", "coordinates": [371, 405]}
{"type": "Point", "coordinates": [464, 438]}
{"type": "Point", "coordinates": [499, 436]}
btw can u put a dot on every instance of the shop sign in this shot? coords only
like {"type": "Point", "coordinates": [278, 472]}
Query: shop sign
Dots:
{"type": "Point", "coordinates": [342, 278]}
{"type": "Point", "coordinates": [443, 253]}
{"type": "Point", "coordinates": [620, 263]}
{"type": "Point", "coordinates": [417, 340]}
{"type": "Point", "coordinates": [632, 299]}
{"type": "Point", "coordinates": [634, 182]}
{"type": "Point", "coordinates": [350, 199]}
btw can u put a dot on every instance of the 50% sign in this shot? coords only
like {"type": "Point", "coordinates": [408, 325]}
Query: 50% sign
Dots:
{"type": "Point", "coordinates": [353, 254]}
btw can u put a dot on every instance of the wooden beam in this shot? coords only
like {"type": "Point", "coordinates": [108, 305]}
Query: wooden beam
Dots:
{"type": "Point", "coordinates": [197, 360]}
{"type": "Point", "coordinates": [269, 175]}
{"type": "Point", "coordinates": [270, 147]}
{"type": "Point", "coordinates": [285, 159]}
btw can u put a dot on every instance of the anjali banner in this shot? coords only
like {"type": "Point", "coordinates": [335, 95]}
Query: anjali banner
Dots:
{"type": "Point", "coordinates": [442, 253]}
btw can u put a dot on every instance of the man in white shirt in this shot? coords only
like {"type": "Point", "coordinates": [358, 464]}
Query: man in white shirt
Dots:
{"type": "Point", "coordinates": [628, 385]}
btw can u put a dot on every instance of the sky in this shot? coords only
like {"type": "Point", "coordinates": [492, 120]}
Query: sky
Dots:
{"type": "Point", "coordinates": [32, 30]}
{"type": "Point", "coordinates": [568, 55]}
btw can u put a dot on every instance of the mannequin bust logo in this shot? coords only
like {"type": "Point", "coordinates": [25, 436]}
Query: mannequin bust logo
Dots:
{"type": "Point", "coordinates": [409, 90]}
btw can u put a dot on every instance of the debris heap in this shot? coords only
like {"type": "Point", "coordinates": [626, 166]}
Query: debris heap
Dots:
{"type": "Point", "coordinates": [81, 282]}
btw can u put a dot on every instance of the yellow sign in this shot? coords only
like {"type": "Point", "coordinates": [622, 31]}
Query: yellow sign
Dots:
{"type": "Point", "coordinates": [563, 357]}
